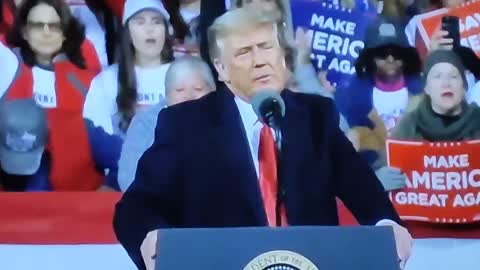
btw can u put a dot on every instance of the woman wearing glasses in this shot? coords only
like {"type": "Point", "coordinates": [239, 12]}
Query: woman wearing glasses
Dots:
{"type": "Point", "coordinates": [386, 86]}
{"type": "Point", "coordinates": [52, 70]}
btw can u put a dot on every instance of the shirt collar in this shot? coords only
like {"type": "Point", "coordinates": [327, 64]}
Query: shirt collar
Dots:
{"type": "Point", "coordinates": [248, 115]}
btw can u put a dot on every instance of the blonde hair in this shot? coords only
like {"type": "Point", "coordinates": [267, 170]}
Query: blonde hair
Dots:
{"type": "Point", "coordinates": [280, 7]}
{"type": "Point", "coordinates": [235, 20]}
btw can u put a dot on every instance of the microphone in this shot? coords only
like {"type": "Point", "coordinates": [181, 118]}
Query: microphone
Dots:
{"type": "Point", "coordinates": [270, 109]}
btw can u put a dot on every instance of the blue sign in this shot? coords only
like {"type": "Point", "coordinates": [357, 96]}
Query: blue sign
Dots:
{"type": "Point", "coordinates": [336, 35]}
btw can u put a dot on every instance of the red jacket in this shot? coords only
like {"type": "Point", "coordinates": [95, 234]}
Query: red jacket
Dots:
{"type": "Point", "coordinates": [116, 6]}
{"type": "Point", "coordinates": [73, 167]}
{"type": "Point", "coordinates": [92, 61]}
{"type": "Point", "coordinates": [7, 15]}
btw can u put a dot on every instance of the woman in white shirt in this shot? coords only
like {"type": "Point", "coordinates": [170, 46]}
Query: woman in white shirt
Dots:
{"type": "Point", "coordinates": [138, 80]}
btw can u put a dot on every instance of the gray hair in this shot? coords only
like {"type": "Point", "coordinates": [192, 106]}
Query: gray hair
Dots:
{"type": "Point", "coordinates": [188, 63]}
{"type": "Point", "coordinates": [235, 20]}
{"type": "Point", "coordinates": [280, 6]}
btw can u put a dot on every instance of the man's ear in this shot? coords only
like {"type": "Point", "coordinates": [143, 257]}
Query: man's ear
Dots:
{"type": "Point", "coordinates": [222, 73]}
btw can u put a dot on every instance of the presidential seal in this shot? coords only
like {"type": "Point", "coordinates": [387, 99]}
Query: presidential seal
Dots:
{"type": "Point", "coordinates": [280, 260]}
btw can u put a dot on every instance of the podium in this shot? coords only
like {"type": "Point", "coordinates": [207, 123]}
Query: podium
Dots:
{"type": "Point", "coordinates": [287, 248]}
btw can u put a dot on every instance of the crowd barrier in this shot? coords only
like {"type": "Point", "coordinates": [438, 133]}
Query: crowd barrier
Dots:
{"type": "Point", "coordinates": [67, 217]}
{"type": "Point", "coordinates": [73, 230]}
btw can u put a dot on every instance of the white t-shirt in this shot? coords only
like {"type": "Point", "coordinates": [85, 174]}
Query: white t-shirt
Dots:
{"type": "Point", "coordinates": [390, 106]}
{"type": "Point", "coordinates": [100, 103]}
{"type": "Point", "coordinates": [44, 87]}
{"type": "Point", "coordinates": [8, 68]}
{"type": "Point", "coordinates": [94, 32]}
{"type": "Point", "coordinates": [43, 79]}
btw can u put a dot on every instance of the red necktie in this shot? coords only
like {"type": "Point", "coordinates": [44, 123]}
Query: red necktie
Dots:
{"type": "Point", "coordinates": [268, 175]}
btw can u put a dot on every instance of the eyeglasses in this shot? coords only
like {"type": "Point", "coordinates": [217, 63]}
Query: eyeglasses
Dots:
{"type": "Point", "coordinates": [383, 53]}
{"type": "Point", "coordinates": [55, 27]}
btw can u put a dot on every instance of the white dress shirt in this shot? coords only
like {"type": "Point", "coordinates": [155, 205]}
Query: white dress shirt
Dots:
{"type": "Point", "coordinates": [252, 129]}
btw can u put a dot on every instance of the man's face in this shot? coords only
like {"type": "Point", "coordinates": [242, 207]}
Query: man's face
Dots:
{"type": "Point", "coordinates": [252, 60]}
{"type": "Point", "coordinates": [189, 86]}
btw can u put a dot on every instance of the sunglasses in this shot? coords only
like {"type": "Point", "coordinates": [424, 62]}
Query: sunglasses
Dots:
{"type": "Point", "coordinates": [55, 27]}
{"type": "Point", "coordinates": [383, 53]}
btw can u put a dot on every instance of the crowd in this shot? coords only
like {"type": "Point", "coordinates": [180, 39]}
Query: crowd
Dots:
{"type": "Point", "coordinates": [82, 83]}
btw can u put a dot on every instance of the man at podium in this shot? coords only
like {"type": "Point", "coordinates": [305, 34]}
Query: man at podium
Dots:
{"type": "Point", "coordinates": [215, 163]}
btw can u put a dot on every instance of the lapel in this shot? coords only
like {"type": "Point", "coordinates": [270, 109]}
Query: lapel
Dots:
{"type": "Point", "coordinates": [232, 142]}
{"type": "Point", "coordinates": [297, 146]}
{"type": "Point", "coordinates": [233, 145]}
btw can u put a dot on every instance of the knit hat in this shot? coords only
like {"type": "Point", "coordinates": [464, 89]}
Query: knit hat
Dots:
{"type": "Point", "coordinates": [132, 7]}
{"type": "Point", "coordinates": [444, 56]}
{"type": "Point", "coordinates": [386, 33]}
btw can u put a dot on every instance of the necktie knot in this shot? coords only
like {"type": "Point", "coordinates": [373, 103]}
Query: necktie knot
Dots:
{"type": "Point", "coordinates": [266, 135]}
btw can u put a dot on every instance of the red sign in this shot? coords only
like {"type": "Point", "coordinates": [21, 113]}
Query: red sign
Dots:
{"type": "Point", "coordinates": [443, 184]}
{"type": "Point", "coordinates": [469, 14]}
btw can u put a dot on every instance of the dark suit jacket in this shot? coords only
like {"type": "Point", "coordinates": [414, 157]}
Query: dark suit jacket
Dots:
{"type": "Point", "coordinates": [199, 172]}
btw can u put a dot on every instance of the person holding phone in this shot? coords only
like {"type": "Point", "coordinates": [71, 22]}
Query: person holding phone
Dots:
{"type": "Point", "coordinates": [439, 37]}
{"type": "Point", "coordinates": [448, 34]}
{"type": "Point", "coordinates": [387, 85]}
{"type": "Point", "coordinates": [448, 38]}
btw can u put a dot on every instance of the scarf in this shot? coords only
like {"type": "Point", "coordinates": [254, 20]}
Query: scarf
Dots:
{"type": "Point", "coordinates": [433, 126]}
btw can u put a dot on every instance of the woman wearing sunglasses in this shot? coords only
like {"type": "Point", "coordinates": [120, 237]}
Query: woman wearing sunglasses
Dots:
{"type": "Point", "coordinates": [386, 85]}
{"type": "Point", "coordinates": [52, 70]}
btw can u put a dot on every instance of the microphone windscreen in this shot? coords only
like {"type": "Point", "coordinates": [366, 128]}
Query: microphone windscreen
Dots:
{"type": "Point", "coordinates": [259, 98]}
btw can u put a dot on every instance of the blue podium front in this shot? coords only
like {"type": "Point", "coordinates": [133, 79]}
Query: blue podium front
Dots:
{"type": "Point", "coordinates": [288, 248]}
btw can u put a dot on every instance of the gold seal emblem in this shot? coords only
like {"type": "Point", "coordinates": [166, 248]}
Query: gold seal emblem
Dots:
{"type": "Point", "coordinates": [280, 260]}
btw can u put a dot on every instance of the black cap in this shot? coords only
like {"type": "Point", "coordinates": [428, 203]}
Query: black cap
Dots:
{"type": "Point", "coordinates": [385, 33]}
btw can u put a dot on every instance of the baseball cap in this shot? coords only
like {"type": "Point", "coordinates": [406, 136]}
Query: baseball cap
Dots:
{"type": "Point", "coordinates": [383, 37]}
{"type": "Point", "coordinates": [384, 33]}
{"type": "Point", "coordinates": [23, 136]}
{"type": "Point", "coordinates": [132, 7]}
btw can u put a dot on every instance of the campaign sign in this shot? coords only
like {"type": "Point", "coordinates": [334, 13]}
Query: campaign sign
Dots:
{"type": "Point", "coordinates": [443, 181]}
{"type": "Point", "coordinates": [336, 35]}
{"type": "Point", "coordinates": [469, 15]}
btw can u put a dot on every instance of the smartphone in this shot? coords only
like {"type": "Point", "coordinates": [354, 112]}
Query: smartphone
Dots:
{"type": "Point", "coordinates": [451, 24]}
